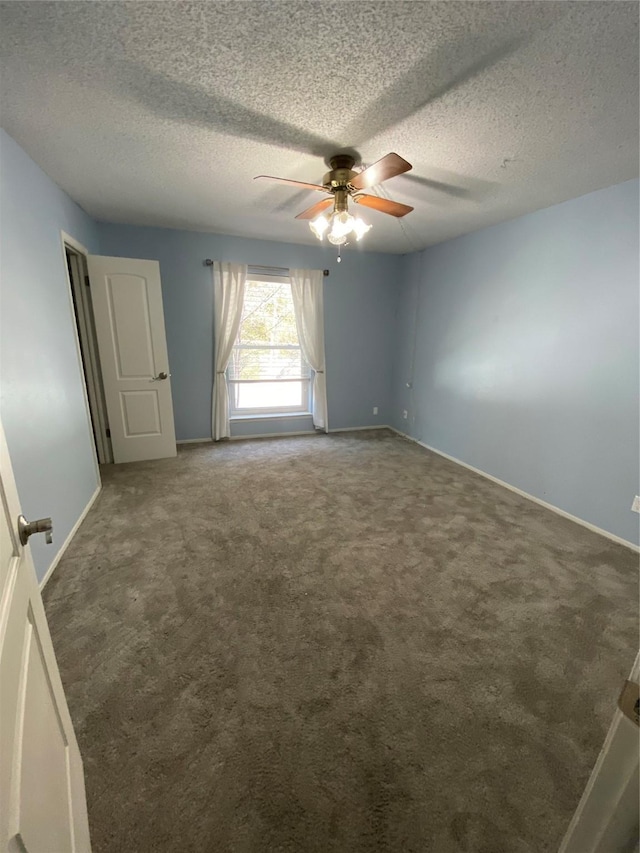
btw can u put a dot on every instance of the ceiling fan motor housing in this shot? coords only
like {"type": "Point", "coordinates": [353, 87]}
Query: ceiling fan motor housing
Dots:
{"type": "Point", "coordinates": [341, 172]}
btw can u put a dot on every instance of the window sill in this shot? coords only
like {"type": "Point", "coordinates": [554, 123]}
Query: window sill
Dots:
{"type": "Point", "coordinates": [270, 416]}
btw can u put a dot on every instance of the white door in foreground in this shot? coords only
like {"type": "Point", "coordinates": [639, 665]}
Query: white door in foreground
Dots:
{"type": "Point", "coordinates": [606, 820]}
{"type": "Point", "coordinates": [42, 800]}
{"type": "Point", "coordinates": [127, 306]}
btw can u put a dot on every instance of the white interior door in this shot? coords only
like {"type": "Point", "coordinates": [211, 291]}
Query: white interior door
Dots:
{"type": "Point", "coordinates": [42, 799]}
{"type": "Point", "coordinates": [129, 320]}
{"type": "Point", "coordinates": [606, 820]}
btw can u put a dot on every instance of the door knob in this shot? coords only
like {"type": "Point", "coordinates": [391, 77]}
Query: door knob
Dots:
{"type": "Point", "coordinates": [28, 528]}
{"type": "Point", "coordinates": [161, 375]}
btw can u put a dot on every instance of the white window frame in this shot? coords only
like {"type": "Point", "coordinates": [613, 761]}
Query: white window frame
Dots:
{"type": "Point", "coordinates": [265, 411]}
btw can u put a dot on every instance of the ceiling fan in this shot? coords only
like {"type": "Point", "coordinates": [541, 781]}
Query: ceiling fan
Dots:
{"type": "Point", "coordinates": [343, 182]}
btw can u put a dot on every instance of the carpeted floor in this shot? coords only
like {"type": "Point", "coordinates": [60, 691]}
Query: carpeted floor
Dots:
{"type": "Point", "coordinates": [335, 644]}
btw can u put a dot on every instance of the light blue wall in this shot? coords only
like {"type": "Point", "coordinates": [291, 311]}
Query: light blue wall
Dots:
{"type": "Point", "coordinates": [526, 356]}
{"type": "Point", "coordinates": [526, 345]}
{"type": "Point", "coordinates": [42, 397]}
{"type": "Point", "coordinates": [271, 426]}
{"type": "Point", "coordinates": [359, 300]}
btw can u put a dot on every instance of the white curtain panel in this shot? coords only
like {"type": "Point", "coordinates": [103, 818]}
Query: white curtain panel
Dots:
{"type": "Point", "coordinates": [306, 289]}
{"type": "Point", "coordinates": [228, 299]}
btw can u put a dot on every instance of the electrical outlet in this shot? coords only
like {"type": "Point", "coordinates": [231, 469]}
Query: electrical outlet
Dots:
{"type": "Point", "coordinates": [635, 506]}
{"type": "Point", "coordinates": [375, 410]}
{"type": "Point", "coordinates": [405, 414]}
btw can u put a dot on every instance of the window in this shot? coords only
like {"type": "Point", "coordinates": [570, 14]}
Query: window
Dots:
{"type": "Point", "coordinates": [267, 372]}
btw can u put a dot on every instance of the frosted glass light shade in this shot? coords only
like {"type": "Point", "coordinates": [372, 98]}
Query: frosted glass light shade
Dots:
{"type": "Point", "coordinates": [360, 227]}
{"type": "Point", "coordinates": [341, 225]}
{"type": "Point", "coordinates": [319, 225]}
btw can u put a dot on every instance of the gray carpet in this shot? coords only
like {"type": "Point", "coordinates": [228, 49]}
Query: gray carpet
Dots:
{"type": "Point", "coordinates": [335, 644]}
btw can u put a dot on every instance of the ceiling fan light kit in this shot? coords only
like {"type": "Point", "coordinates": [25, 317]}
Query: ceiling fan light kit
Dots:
{"type": "Point", "coordinates": [341, 182]}
{"type": "Point", "coordinates": [339, 224]}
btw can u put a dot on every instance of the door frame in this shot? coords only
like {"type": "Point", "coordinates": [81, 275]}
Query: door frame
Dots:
{"type": "Point", "coordinates": [86, 342]}
{"type": "Point", "coordinates": [607, 813]}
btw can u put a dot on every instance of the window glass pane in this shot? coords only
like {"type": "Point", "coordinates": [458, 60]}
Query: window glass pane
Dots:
{"type": "Point", "coordinates": [260, 362]}
{"type": "Point", "coordinates": [267, 316]}
{"type": "Point", "coordinates": [266, 395]}
{"type": "Point", "coordinates": [266, 350]}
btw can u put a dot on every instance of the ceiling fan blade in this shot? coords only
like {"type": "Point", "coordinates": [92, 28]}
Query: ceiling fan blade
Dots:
{"type": "Point", "coordinates": [294, 183]}
{"type": "Point", "coordinates": [384, 205]}
{"type": "Point", "coordinates": [381, 170]}
{"type": "Point", "coordinates": [314, 210]}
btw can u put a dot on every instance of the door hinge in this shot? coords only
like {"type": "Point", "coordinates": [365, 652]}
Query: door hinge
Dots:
{"type": "Point", "coordinates": [87, 281]}
{"type": "Point", "coordinates": [108, 432]}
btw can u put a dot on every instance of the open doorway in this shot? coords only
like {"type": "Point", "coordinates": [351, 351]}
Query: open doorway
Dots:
{"type": "Point", "coordinates": [90, 359]}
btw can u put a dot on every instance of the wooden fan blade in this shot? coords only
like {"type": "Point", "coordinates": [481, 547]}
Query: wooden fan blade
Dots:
{"type": "Point", "coordinates": [314, 210]}
{"type": "Point", "coordinates": [381, 170]}
{"type": "Point", "coordinates": [294, 183]}
{"type": "Point", "coordinates": [384, 205]}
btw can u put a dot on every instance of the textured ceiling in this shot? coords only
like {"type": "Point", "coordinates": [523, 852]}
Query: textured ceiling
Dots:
{"type": "Point", "coordinates": [162, 113]}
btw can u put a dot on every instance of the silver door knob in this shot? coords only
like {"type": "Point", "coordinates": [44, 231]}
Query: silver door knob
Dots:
{"type": "Point", "coordinates": [161, 375]}
{"type": "Point", "coordinates": [28, 528]}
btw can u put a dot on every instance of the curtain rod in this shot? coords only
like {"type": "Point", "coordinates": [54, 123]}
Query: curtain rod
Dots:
{"type": "Point", "coordinates": [264, 270]}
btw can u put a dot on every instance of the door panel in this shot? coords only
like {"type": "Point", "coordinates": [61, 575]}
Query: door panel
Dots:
{"type": "Point", "coordinates": [45, 804]}
{"type": "Point", "coordinates": [141, 412]}
{"type": "Point", "coordinates": [42, 797]}
{"type": "Point", "coordinates": [129, 320]}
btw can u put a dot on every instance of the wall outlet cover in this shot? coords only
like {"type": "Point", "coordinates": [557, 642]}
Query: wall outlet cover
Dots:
{"type": "Point", "coordinates": [405, 414]}
{"type": "Point", "coordinates": [635, 506]}
{"type": "Point", "coordinates": [375, 410]}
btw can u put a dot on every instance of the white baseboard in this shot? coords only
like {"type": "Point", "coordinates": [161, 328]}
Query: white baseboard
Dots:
{"type": "Point", "coordinates": [241, 437]}
{"type": "Point", "coordinates": [67, 541]}
{"type": "Point", "coordinates": [283, 434]}
{"type": "Point", "coordinates": [356, 429]}
{"type": "Point", "coordinates": [526, 495]}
